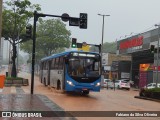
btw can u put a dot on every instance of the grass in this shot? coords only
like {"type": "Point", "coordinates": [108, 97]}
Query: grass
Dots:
{"type": "Point", "coordinates": [14, 78]}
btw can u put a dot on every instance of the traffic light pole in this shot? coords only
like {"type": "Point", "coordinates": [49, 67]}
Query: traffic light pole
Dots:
{"type": "Point", "coordinates": [33, 50]}
{"type": "Point", "coordinates": [36, 16]}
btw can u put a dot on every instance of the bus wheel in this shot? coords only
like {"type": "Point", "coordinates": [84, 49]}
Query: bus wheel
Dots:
{"type": "Point", "coordinates": [58, 85]}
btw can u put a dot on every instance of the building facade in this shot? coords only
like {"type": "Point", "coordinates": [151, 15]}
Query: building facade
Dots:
{"type": "Point", "coordinates": [138, 46]}
{"type": "Point", "coordinates": [108, 60]}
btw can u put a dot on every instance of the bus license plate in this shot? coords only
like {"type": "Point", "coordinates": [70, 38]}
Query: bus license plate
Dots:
{"type": "Point", "coordinates": [84, 89]}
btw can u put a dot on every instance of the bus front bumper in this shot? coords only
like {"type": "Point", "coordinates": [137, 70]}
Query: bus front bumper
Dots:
{"type": "Point", "coordinates": [83, 87]}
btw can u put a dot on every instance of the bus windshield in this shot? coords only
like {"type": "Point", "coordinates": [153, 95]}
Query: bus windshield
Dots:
{"type": "Point", "coordinates": [83, 67]}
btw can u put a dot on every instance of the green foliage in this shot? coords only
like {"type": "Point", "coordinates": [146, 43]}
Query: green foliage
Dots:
{"type": "Point", "coordinates": [153, 90]}
{"type": "Point", "coordinates": [14, 78]}
{"type": "Point", "coordinates": [16, 16]}
{"type": "Point", "coordinates": [109, 47]}
{"type": "Point", "coordinates": [151, 93]}
{"type": "Point", "coordinates": [52, 37]}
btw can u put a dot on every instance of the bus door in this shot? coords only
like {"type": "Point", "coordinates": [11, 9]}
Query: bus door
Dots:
{"type": "Point", "coordinates": [63, 75]}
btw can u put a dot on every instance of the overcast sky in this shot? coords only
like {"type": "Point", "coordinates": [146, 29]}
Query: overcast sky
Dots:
{"type": "Point", "coordinates": [126, 17]}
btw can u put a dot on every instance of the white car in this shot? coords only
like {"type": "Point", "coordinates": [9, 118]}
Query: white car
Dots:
{"type": "Point", "coordinates": [123, 83]}
{"type": "Point", "coordinates": [152, 85]}
{"type": "Point", "coordinates": [108, 83]}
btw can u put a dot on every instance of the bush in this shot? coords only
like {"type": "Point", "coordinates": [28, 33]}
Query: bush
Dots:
{"type": "Point", "coordinates": [153, 90]}
{"type": "Point", "coordinates": [151, 93]}
{"type": "Point", "coordinates": [14, 78]}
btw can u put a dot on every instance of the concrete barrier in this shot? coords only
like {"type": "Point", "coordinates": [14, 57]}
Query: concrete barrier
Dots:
{"type": "Point", "coordinates": [14, 82]}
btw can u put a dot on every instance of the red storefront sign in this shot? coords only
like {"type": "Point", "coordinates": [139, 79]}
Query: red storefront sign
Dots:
{"type": "Point", "coordinates": [131, 43]}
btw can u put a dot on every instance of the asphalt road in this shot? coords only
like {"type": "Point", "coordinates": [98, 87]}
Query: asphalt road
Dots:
{"type": "Point", "coordinates": [105, 100]}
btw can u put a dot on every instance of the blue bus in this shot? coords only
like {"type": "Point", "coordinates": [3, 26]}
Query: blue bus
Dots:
{"type": "Point", "coordinates": [72, 71]}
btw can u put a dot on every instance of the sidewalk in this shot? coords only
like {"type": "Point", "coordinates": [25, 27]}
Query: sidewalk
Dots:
{"type": "Point", "coordinates": [29, 107]}
{"type": "Point", "coordinates": [16, 104]}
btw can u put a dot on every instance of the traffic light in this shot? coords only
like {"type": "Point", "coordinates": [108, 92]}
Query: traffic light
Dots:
{"type": "Point", "coordinates": [79, 45]}
{"type": "Point", "coordinates": [83, 21]}
{"type": "Point", "coordinates": [152, 48]}
{"type": "Point", "coordinates": [29, 31]}
{"type": "Point", "coordinates": [74, 42]}
{"type": "Point", "coordinates": [156, 50]}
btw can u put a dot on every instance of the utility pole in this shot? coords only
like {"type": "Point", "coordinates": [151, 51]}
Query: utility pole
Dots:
{"type": "Point", "coordinates": [102, 32]}
{"type": "Point", "coordinates": [102, 47]}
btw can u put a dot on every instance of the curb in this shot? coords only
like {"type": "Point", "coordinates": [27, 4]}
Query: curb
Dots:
{"type": "Point", "coordinates": [146, 98]}
{"type": "Point", "coordinates": [14, 82]}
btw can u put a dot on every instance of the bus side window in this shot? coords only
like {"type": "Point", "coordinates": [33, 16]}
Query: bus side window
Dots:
{"type": "Point", "coordinates": [52, 64]}
{"type": "Point", "coordinates": [56, 63]}
{"type": "Point", "coordinates": [44, 66]}
{"type": "Point", "coordinates": [60, 63]}
{"type": "Point", "coordinates": [96, 66]}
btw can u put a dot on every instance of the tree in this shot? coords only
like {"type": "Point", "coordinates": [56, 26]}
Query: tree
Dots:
{"type": "Point", "coordinates": [15, 17]}
{"type": "Point", "coordinates": [52, 37]}
{"type": "Point", "coordinates": [109, 47]}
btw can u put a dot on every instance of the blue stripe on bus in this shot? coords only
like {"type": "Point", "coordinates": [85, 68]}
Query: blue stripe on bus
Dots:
{"type": "Point", "coordinates": [62, 54]}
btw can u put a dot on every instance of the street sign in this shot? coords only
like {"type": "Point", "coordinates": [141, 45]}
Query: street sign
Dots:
{"type": "Point", "coordinates": [79, 45]}
{"type": "Point", "coordinates": [65, 17]}
{"type": "Point", "coordinates": [74, 22]}
{"type": "Point", "coordinates": [85, 47]}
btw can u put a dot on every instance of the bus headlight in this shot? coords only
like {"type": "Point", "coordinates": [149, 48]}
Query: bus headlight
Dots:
{"type": "Point", "coordinates": [98, 84]}
{"type": "Point", "coordinates": [70, 83]}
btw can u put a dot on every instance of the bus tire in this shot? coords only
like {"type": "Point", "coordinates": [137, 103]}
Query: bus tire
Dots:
{"type": "Point", "coordinates": [58, 85]}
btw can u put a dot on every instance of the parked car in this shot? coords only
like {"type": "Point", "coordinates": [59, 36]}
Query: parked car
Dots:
{"type": "Point", "coordinates": [108, 83]}
{"type": "Point", "coordinates": [152, 85]}
{"type": "Point", "coordinates": [122, 84]}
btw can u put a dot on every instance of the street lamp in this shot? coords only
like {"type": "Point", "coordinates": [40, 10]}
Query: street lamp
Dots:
{"type": "Point", "coordinates": [102, 31]}
{"type": "Point", "coordinates": [102, 41]}
{"type": "Point", "coordinates": [157, 53]}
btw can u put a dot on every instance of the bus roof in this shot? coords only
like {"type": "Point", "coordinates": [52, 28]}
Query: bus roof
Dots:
{"type": "Point", "coordinates": [63, 53]}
